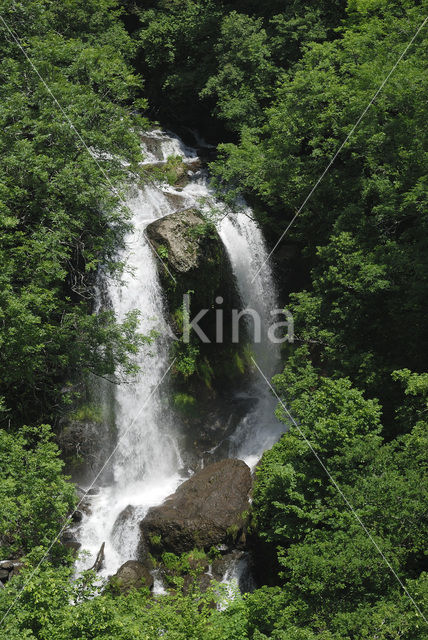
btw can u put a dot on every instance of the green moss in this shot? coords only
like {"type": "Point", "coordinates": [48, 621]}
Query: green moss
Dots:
{"type": "Point", "coordinates": [206, 372]}
{"type": "Point", "coordinates": [153, 560]}
{"type": "Point", "coordinates": [185, 404]}
{"type": "Point", "coordinates": [173, 171]}
{"type": "Point", "coordinates": [233, 531]}
{"type": "Point", "coordinates": [205, 229]}
{"type": "Point", "coordinates": [239, 363]}
{"type": "Point", "coordinates": [155, 540]}
{"type": "Point", "coordinates": [163, 251]}
{"type": "Point", "coordinates": [87, 413]}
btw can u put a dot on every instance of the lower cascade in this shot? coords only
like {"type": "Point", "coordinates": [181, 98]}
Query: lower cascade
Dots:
{"type": "Point", "coordinates": [145, 450]}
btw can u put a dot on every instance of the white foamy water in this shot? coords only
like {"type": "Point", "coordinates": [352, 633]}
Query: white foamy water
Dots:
{"type": "Point", "coordinates": [146, 463]}
{"type": "Point", "coordinates": [159, 146]}
{"type": "Point", "coordinates": [243, 239]}
{"type": "Point", "coordinates": [147, 459]}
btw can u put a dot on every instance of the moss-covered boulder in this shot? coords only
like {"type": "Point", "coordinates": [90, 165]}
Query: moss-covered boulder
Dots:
{"type": "Point", "coordinates": [206, 372]}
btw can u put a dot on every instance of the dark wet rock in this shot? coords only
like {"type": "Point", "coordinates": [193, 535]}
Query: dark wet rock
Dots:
{"type": "Point", "coordinates": [126, 520]}
{"type": "Point", "coordinates": [207, 433]}
{"type": "Point", "coordinates": [203, 582]}
{"type": "Point", "coordinates": [84, 503]}
{"type": "Point", "coordinates": [77, 516]}
{"type": "Point", "coordinates": [9, 568]}
{"type": "Point", "coordinates": [177, 200]}
{"type": "Point", "coordinates": [132, 575]}
{"type": "Point", "coordinates": [99, 561]}
{"type": "Point", "coordinates": [123, 518]}
{"type": "Point", "coordinates": [79, 441]}
{"type": "Point", "coordinates": [206, 510]}
{"type": "Point", "coordinates": [69, 540]}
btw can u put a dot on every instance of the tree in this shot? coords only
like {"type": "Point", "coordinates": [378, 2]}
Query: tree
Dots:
{"type": "Point", "coordinates": [35, 495]}
{"type": "Point", "coordinates": [333, 575]}
{"type": "Point", "coordinates": [61, 215]}
{"type": "Point", "coordinates": [245, 77]}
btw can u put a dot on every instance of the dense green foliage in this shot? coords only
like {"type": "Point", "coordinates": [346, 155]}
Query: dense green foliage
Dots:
{"type": "Point", "coordinates": [283, 84]}
{"type": "Point", "coordinates": [207, 57]}
{"type": "Point", "coordinates": [361, 238]}
{"type": "Point", "coordinates": [36, 497]}
{"type": "Point", "coordinates": [330, 568]}
{"type": "Point", "coordinates": [59, 218]}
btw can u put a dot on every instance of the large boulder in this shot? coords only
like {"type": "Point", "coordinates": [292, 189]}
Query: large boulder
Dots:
{"type": "Point", "coordinates": [193, 253]}
{"type": "Point", "coordinates": [207, 510]}
{"type": "Point", "coordinates": [132, 575]}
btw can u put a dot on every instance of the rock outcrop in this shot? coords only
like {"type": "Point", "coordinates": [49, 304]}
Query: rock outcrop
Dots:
{"type": "Point", "coordinates": [207, 510]}
{"type": "Point", "coordinates": [194, 254]}
{"type": "Point", "coordinates": [8, 569]}
{"type": "Point", "coordinates": [99, 561]}
{"type": "Point", "coordinates": [132, 575]}
{"type": "Point", "coordinates": [78, 438]}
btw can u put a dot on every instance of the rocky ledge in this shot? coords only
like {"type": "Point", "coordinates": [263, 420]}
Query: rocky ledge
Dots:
{"type": "Point", "coordinates": [8, 569]}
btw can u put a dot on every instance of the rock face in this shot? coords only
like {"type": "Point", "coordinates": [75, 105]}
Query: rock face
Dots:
{"type": "Point", "coordinates": [206, 510]}
{"type": "Point", "coordinates": [195, 255]}
{"type": "Point", "coordinates": [79, 441]}
{"type": "Point", "coordinates": [192, 252]}
{"type": "Point", "coordinates": [132, 575]}
{"type": "Point", "coordinates": [8, 569]}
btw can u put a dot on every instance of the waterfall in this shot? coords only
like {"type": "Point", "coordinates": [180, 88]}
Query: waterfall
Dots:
{"type": "Point", "coordinates": [243, 239]}
{"type": "Point", "coordinates": [146, 464]}
{"type": "Point", "coordinates": [237, 578]}
{"type": "Point", "coordinates": [246, 248]}
{"type": "Point", "coordinates": [146, 461]}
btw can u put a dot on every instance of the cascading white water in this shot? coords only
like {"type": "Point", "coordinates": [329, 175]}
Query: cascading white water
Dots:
{"type": "Point", "coordinates": [146, 462]}
{"type": "Point", "coordinates": [246, 248]}
{"type": "Point", "coordinates": [245, 244]}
